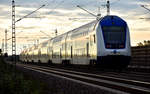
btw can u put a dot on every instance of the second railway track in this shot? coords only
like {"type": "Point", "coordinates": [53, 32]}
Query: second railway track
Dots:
{"type": "Point", "coordinates": [113, 83]}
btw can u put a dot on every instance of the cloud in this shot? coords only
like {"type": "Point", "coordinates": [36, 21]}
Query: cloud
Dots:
{"type": "Point", "coordinates": [5, 11]}
{"type": "Point", "coordinates": [30, 27]}
{"type": "Point", "coordinates": [57, 12]}
{"type": "Point", "coordinates": [143, 29]}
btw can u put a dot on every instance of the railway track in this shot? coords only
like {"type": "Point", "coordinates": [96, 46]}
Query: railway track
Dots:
{"type": "Point", "coordinates": [113, 84]}
{"type": "Point", "coordinates": [126, 74]}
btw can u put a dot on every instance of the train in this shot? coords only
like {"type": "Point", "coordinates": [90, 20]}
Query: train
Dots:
{"type": "Point", "coordinates": [104, 42]}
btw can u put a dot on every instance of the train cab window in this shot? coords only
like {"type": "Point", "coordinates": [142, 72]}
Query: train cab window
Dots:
{"type": "Point", "coordinates": [114, 36]}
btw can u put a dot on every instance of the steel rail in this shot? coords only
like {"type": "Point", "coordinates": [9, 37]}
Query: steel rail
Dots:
{"type": "Point", "coordinates": [129, 86]}
{"type": "Point", "coordinates": [128, 81]}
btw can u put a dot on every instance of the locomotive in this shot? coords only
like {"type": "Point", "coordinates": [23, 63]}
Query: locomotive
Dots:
{"type": "Point", "coordinates": [104, 42]}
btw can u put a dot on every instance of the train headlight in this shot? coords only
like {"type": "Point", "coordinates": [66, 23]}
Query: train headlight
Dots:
{"type": "Point", "coordinates": [121, 46]}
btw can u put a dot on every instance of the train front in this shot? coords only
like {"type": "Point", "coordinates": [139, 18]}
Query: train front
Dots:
{"type": "Point", "coordinates": [113, 46]}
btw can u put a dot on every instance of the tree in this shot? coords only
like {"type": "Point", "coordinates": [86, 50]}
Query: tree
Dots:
{"type": "Point", "coordinates": [140, 44]}
{"type": "Point", "coordinates": [145, 43]}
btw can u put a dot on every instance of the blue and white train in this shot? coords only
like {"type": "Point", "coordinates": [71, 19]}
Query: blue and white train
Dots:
{"type": "Point", "coordinates": [104, 42]}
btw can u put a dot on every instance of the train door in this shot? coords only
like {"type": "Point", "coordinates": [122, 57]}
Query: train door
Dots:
{"type": "Point", "coordinates": [71, 52]}
{"type": "Point", "coordinates": [87, 49]}
{"type": "Point", "coordinates": [60, 54]}
{"type": "Point", "coordinates": [39, 55]}
{"type": "Point", "coordinates": [92, 47]}
{"type": "Point", "coordinates": [52, 54]}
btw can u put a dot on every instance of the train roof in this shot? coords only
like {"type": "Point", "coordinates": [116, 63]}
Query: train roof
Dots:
{"type": "Point", "coordinates": [112, 20]}
{"type": "Point", "coordinates": [92, 22]}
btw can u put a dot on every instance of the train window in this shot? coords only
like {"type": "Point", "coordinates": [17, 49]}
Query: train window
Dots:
{"type": "Point", "coordinates": [94, 38]}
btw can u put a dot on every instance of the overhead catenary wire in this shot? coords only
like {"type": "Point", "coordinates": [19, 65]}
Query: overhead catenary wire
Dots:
{"type": "Point", "coordinates": [145, 13]}
{"type": "Point", "coordinates": [145, 7]}
{"type": "Point", "coordinates": [45, 33]}
{"type": "Point", "coordinates": [98, 16]}
{"type": "Point", "coordinates": [86, 11]}
{"type": "Point", "coordinates": [29, 14]}
{"type": "Point", "coordinates": [16, 34]}
{"type": "Point", "coordinates": [14, 30]}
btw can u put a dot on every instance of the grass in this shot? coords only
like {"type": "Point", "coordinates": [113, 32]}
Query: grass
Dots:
{"type": "Point", "coordinates": [15, 82]}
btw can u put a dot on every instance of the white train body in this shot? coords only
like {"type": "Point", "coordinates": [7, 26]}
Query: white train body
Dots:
{"type": "Point", "coordinates": [105, 42]}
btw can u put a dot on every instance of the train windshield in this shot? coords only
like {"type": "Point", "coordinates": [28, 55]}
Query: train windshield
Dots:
{"type": "Point", "coordinates": [114, 37]}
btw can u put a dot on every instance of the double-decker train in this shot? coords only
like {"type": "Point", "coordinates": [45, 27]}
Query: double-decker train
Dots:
{"type": "Point", "coordinates": [104, 42]}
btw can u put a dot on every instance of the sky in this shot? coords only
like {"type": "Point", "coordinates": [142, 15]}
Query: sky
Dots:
{"type": "Point", "coordinates": [57, 13]}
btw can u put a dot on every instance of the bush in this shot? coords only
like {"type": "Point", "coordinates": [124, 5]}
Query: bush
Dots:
{"type": "Point", "coordinates": [14, 82]}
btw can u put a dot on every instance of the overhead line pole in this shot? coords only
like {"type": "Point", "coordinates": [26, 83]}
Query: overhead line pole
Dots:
{"type": "Point", "coordinates": [13, 29]}
{"type": "Point", "coordinates": [13, 33]}
{"type": "Point", "coordinates": [108, 7]}
{"type": "Point", "coordinates": [6, 41]}
{"type": "Point", "coordinates": [2, 45]}
{"type": "Point", "coordinates": [14, 39]}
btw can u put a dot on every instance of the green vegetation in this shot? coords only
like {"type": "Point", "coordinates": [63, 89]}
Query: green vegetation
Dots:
{"type": "Point", "coordinates": [14, 82]}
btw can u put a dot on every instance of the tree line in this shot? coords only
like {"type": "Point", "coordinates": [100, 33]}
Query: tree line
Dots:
{"type": "Point", "coordinates": [145, 43]}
